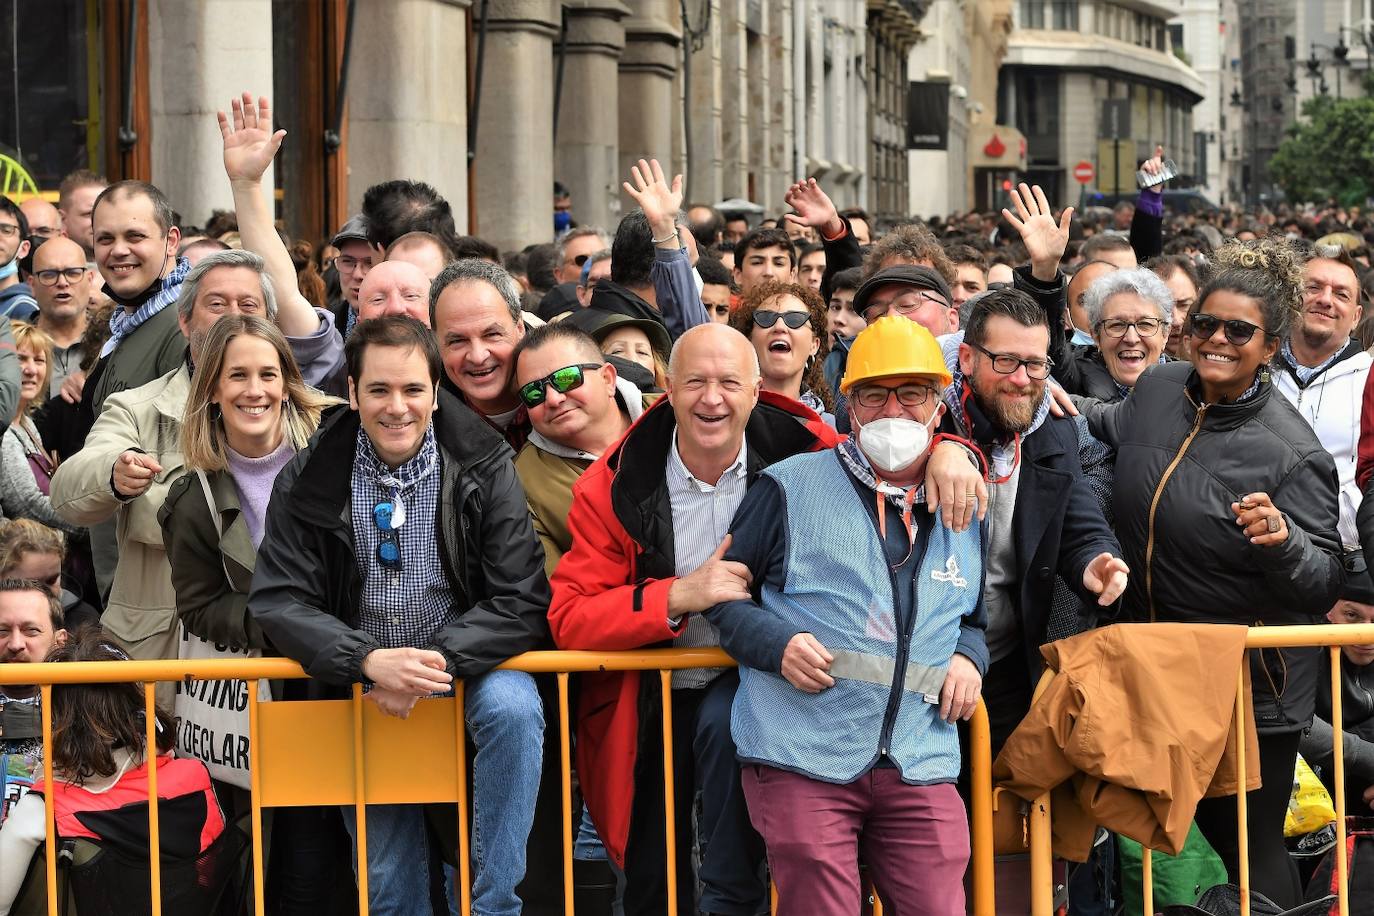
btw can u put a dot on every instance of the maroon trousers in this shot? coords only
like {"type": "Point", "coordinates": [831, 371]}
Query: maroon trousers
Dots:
{"type": "Point", "coordinates": [914, 840]}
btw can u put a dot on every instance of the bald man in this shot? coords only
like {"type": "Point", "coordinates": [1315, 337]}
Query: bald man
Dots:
{"type": "Point", "coordinates": [423, 249]}
{"type": "Point", "coordinates": [62, 286]}
{"type": "Point", "coordinates": [44, 220]}
{"type": "Point", "coordinates": [394, 288]}
{"type": "Point", "coordinates": [642, 567]}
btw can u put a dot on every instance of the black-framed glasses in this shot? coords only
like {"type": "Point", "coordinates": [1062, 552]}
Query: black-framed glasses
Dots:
{"type": "Point", "coordinates": [1238, 332]}
{"type": "Point", "coordinates": [875, 396]}
{"type": "Point", "coordinates": [389, 546]}
{"type": "Point", "coordinates": [563, 380]}
{"type": "Point", "coordinates": [1006, 364]}
{"type": "Point", "coordinates": [49, 277]}
{"type": "Point", "coordinates": [766, 318]}
{"type": "Point", "coordinates": [1117, 327]}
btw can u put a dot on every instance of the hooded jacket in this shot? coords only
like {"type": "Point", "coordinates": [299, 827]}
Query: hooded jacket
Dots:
{"type": "Point", "coordinates": [306, 585]}
{"type": "Point", "coordinates": [1134, 729]}
{"type": "Point", "coordinates": [1179, 466]}
{"type": "Point", "coordinates": [611, 589]}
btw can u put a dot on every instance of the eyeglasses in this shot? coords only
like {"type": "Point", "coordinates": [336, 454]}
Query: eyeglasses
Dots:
{"type": "Point", "coordinates": [1116, 327]}
{"type": "Point", "coordinates": [875, 396]}
{"type": "Point", "coordinates": [43, 232]}
{"type": "Point", "coordinates": [1006, 364]}
{"type": "Point", "coordinates": [1238, 333]}
{"type": "Point", "coordinates": [347, 263]}
{"type": "Point", "coordinates": [563, 380]}
{"type": "Point", "coordinates": [389, 547]}
{"type": "Point", "coordinates": [49, 277]}
{"type": "Point", "coordinates": [905, 306]}
{"type": "Point", "coordinates": [9, 230]}
{"type": "Point", "coordinates": [766, 318]}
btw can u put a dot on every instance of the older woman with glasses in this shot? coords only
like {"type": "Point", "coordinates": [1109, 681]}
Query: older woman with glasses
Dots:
{"type": "Point", "coordinates": [1226, 508]}
{"type": "Point", "coordinates": [1129, 312]}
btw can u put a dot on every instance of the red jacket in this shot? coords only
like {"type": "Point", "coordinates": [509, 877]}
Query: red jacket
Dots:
{"type": "Point", "coordinates": [610, 591]}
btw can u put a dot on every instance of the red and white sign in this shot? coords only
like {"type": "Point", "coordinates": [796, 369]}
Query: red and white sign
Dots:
{"type": "Point", "coordinates": [1083, 172]}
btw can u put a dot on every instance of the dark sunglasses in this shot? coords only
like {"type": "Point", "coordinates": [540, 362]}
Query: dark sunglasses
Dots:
{"type": "Point", "coordinates": [1238, 333]}
{"type": "Point", "coordinates": [766, 318]}
{"type": "Point", "coordinates": [389, 547]}
{"type": "Point", "coordinates": [563, 380]}
{"type": "Point", "coordinates": [581, 259]}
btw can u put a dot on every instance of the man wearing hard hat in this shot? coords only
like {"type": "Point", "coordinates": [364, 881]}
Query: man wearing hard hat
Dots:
{"type": "Point", "coordinates": [860, 648]}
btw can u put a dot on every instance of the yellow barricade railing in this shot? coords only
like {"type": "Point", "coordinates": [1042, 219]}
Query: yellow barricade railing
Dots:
{"type": "Point", "coordinates": [331, 752]}
{"type": "Point", "coordinates": [1329, 636]}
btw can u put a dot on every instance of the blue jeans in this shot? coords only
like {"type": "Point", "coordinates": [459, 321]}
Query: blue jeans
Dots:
{"type": "Point", "coordinates": [505, 720]}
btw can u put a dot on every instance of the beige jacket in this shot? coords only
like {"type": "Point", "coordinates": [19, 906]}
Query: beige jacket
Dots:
{"type": "Point", "coordinates": [142, 608]}
{"type": "Point", "coordinates": [1136, 727]}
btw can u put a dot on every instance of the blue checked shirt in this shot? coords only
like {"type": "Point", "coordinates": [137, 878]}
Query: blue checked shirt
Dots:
{"type": "Point", "coordinates": [401, 608]}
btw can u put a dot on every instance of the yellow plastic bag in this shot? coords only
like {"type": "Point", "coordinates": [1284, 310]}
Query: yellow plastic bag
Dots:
{"type": "Point", "coordinates": [1309, 807]}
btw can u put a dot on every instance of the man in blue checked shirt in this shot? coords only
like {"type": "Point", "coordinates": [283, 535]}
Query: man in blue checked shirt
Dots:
{"type": "Point", "coordinates": [399, 553]}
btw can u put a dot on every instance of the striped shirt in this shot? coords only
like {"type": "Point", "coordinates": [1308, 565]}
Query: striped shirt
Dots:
{"type": "Point", "coordinates": [702, 513]}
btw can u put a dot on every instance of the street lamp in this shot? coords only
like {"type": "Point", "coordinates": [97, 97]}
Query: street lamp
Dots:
{"type": "Point", "coordinates": [1339, 59]}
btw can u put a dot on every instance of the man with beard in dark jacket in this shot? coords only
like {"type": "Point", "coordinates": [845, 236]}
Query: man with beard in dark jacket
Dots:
{"type": "Point", "coordinates": [398, 552]}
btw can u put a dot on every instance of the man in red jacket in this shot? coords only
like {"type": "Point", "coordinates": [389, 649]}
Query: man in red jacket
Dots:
{"type": "Point", "coordinates": [649, 521]}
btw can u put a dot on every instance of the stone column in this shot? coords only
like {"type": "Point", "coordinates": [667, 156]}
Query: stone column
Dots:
{"type": "Point", "coordinates": [201, 56]}
{"type": "Point", "coordinates": [407, 98]}
{"type": "Point", "coordinates": [587, 149]}
{"type": "Point", "coordinates": [648, 105]}
{"type": "Point", "coordinates": [514, 174]}
{"type": "Point", "coordinates": [734, 108]}
{"type": "Point", "coordinates": [703, 142]}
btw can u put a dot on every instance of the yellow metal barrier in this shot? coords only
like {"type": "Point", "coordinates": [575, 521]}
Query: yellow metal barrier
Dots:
{"type": "Point", "coordinates": [1330, 636]}
{"type": "Point", "coordinates": [358, 737]}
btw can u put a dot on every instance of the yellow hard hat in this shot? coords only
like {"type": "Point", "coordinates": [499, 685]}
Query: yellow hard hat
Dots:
{"type": "Point", "coordinates": [893, 347]}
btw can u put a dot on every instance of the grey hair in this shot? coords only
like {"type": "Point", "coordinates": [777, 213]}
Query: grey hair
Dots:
{"type": "Point", "coordinates": [233, 257]}
{"type": "Point", "coordinates": [708, 328]}
{"type": "Point", "coordinates": [596, 258]}
{"type": "Point", "coordinates": [470, 270]}
{"type": "Point", "coordinates": [966, 309]}
{"type": "Point", "coordinates": [1142, 281]}
{"type": "Point", "coordinates": [580, 232]}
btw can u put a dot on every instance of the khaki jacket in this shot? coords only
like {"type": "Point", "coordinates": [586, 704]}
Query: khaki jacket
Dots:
{"type": "Point", "coordinates": [1135, 728]}
{"type": "Point", "coordinates": [141, 613]}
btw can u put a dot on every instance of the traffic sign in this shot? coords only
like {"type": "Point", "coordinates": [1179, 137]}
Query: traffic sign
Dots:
{"type": "Point", "coordinates": [1083, 172]}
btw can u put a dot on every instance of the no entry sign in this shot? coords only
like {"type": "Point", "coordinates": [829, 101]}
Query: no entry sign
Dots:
{"type": "Point", "coordinates": [1083, 172]}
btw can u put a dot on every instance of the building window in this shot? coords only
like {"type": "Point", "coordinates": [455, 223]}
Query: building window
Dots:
{"type": "Point", "coordinates": [1065, 15]}
{"type": "Point", "coordinates": [1032, 14]}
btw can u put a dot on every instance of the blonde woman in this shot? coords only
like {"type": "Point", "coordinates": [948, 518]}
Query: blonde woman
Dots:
{"type": "Point", "coordinates": [248, 413]}
{"type": "Point", "coordinates": [25, 465]}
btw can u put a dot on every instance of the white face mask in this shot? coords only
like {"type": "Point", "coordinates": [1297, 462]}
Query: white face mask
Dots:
{"type": "Point", "coordinates": [894, 444]}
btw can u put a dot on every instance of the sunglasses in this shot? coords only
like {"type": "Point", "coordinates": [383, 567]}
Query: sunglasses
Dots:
{"type": "Point", "coordinates": [1238, 333]}
{"type": "Point", "coordinates": [389, 547]}
{"type": "Point", "coordinates": [766, 318]}
{"type": "Point", "coordinates": [563, 380]}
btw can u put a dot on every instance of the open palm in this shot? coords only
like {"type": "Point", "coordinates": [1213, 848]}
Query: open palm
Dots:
{"type": "Point", "coordinates": [659, 199]}
{"type": "Point", "coordinates": [249, 143]}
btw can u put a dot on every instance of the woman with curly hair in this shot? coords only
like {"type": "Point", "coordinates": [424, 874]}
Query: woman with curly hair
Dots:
{"type": "Point", "coordinates": [1226, 507]}
{"type": "Point", "coordinates": [786, 323]}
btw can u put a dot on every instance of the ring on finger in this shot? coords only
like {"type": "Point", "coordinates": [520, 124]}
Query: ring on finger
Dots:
{"type": "Point", "coordinates": [1274, 524]}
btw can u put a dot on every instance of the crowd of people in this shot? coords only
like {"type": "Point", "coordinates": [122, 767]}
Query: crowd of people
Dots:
{"type": "Point", "coordinates": [880, 464]}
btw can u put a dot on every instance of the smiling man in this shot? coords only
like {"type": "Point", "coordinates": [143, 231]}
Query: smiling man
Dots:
{"type": "Point", "coordinates": [398, 553]}
{"type": "Point", "coordinates": [474, 309]}
{"type": "Point", "coordinates": [394, 288]}
{"type": "Point", "coordinates": [1324, 372]}
{"type": "Point", "coordinates": [648, 519]}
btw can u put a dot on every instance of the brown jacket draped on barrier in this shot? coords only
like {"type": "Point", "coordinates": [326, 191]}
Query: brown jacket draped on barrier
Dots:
{"type": "Point", "coordinates": [1134, 729]}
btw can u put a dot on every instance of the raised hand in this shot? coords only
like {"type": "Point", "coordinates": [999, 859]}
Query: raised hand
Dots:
{"type": "Point", "coordinates": [1045, 240]}
{"type": "Point", "coordinates": [659, 200]}
{"type": "Point", "coordinates": [1153, 166]}
{"type": "Point", "coordinates": [814, 208]}
{"type": "Point", "coordinates": [249, 143]}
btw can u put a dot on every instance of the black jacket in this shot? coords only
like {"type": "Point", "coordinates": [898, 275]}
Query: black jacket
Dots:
{"type": "Point", "coordinates": [1179, 466]}
{"type": "Point", "coordinates": [1057, 528]}
{"type": "Point", "coordinates": [306, 587]}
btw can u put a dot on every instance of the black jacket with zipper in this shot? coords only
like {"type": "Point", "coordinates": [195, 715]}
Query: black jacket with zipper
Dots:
{"type": "Point", "coordinates": [1179, 466]}
{"type": "Point", "coordinates": [306, 587]}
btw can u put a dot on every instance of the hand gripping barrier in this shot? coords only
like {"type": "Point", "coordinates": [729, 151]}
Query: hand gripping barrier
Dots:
{"type": "Point", "coordinates": [334, 752]}
{"type": "Point", "coordinates": [1330, 636]}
